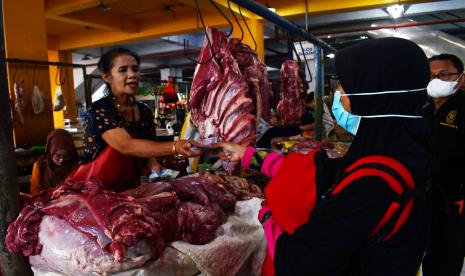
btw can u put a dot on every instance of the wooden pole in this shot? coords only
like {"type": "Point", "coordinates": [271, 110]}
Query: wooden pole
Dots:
{"type": "Point", "coordinates": [9, 188]}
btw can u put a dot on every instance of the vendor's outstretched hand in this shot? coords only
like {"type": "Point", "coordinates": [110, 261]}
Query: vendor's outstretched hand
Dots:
{"type": "Point", "coordinates": [230, 151]}
{"type": "Point", "coordinates": [185, 148]}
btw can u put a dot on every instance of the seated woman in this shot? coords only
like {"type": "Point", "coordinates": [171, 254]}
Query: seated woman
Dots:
{"type": "Point", "coordinates": [59, 159]}
{"type": "Point", "coordinates": [120, 131]}
{"type": "Point", "coordinates": [365, 213]}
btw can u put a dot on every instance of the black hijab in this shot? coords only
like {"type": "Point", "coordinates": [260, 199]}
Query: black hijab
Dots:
{"type": "Point", "coordinates": [387, 64]}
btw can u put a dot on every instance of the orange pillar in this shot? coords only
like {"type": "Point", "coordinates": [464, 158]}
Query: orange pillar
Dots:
{"type": "Point", "coordinates": [67, 88]}
{"type": "Point", "coordinates": [25, 38]}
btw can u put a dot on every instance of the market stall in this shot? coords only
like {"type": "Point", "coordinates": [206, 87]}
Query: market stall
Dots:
{"type": "Point", "coordinates": [180, 227]}
{"type": "Point", "coordinates": [191, 216]}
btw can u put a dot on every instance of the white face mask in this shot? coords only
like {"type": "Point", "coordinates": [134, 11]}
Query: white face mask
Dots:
{"type": "Point", "coordinates": [439, 89]}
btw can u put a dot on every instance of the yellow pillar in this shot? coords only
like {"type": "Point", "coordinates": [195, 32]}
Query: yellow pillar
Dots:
{"type": "Point", "coordinates": [66, 75]}
{"type": "Point", "coordinates": [256, 28]}
{"type": "Point", "coordinates": [25, 38]}
{"type": "Point", "coordinates": [58, 117]}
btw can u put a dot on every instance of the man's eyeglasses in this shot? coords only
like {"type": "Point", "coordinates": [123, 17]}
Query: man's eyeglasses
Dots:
{"type": "Point", "coordinates": [445, 76]}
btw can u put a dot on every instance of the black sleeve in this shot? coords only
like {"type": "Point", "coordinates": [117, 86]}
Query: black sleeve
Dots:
{"type": "Point", "coordinates": [307, 118]}
{"type": "Point", "coordinates": [148, 122]}
{"type": "Point", "coordinates": [337, 228]}
{"type": "Point", "coordinates": [265, 141]}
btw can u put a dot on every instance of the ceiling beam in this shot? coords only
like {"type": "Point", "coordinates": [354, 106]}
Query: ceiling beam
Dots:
{"type": "Point", "coordinates": [60, 7]}
{"type": "Point", "coordinates": [246, 13]}
{"type": "Point", "coordinates": [163, 26]}
{"type": "Point", "coordinates": [83, 13]}
{"type": "Point", "coordinates": [205, 5]}
{"type": "Point", "coordinates": [297, 8]}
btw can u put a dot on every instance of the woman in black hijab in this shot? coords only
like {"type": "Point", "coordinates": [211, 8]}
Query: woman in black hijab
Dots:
{"type": "Point", "coordinates": [384, 80]}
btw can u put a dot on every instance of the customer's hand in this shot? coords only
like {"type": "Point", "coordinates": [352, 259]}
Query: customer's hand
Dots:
{"type": "Point", "coordinates": [186, 148]}
{"type": "Point", "coordinates": [154, 165]}
{"type": "Point", "coordinates": [230, 151]}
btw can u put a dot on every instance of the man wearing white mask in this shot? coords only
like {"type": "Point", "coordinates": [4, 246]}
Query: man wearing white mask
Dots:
{"type": "Point", "coordinates": [445, 114]}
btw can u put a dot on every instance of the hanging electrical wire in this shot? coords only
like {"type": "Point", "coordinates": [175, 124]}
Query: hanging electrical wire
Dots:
{"type": "Point", "coordinates": [306, 62]}
{"type": "Point", "coordinates": [247, 26]}
{"type": "Point", "coordinates": [14, 72]}
{"type": "Point", "coordinates": [58, 76]}
{"type": "Point", "coordinates": [291, 41]}
{"type": "Point", "coordinates": [225, 17]}
{"type": "Point", "coordinates": [237, 20]}
{"type": "Point", "coordinates": [34, 81]}
{"type": "Point", "coordinates": [186, 44]}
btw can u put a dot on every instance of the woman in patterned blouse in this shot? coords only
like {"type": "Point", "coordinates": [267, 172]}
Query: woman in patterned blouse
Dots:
{"type": "Point", "coordinates": [119, 130]}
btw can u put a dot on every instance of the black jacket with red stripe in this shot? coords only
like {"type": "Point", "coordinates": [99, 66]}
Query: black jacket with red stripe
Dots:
{"type": "Point", "coordinates": [334, 240]}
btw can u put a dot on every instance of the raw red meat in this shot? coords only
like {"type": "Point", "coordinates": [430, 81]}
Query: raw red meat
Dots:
{"type": "Point", "coordinates": [219, 99]}
{"type": "Point", "coordinates": [198, 223]}
{"type": "Point", "coordinates": [293, 88]}
{"type": "Point", "coordinates": [237, 186]}
{"type": "Point", "coordinates": [125, 228]}
{"type": "Point", "coordinates": [256, 75]}
{"type": "Point", "coordinates": [123, 220]}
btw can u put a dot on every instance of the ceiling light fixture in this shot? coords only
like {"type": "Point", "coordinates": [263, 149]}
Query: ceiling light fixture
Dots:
{"type": "Point", "coordinates": [331, 55]}
{"type": "Point", "coordinates": [103, 7]}
{"type": "Point", "coordinates": [269, 8]}
{"type": "Point", "coordinates": [87, 57]}
{"type": "Point", "coordinates": [395, 11]}
{"type": "Point", "coordinates": [363, 37]}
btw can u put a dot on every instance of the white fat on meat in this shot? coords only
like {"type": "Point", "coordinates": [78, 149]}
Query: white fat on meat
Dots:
{"type": "Point", "coordinates": [68, 251]}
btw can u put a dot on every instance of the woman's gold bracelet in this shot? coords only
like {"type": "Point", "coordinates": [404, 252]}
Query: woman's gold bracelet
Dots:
{"type": "Point", "coordinates": [174, 148]}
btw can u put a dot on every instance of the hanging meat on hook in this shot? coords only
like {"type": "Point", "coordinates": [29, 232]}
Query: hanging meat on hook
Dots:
{"type": "Point", "coordinates": [219, 98]}
{"type": "Point", "coordinates": [37, 100]}
{"type": "Point", "coordinates": [59, 101]}
{"type": "Point", "coordinates": [293, 88]}
{"type": "Point", "coordinates": [256, 75]}
{"type": "Point", "coordinates": [19, 100]}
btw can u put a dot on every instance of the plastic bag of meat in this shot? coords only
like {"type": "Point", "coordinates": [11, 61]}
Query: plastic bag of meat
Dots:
{"type": "Point", "coordinates": [59, 101]}
{"type": "Point", "coordinates": [37, 100]}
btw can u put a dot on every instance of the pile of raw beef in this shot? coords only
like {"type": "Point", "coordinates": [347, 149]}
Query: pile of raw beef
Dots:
{"type": "Point", "coordinates": [101, 231]}
{"type": "Point", "coordinates": [230, 90]}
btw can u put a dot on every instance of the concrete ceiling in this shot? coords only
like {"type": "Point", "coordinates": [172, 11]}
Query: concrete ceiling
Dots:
{"type": "Point", "coordinates": [338, 29]}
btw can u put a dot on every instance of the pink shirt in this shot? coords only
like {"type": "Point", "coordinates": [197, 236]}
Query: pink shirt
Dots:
{"type": "Point", "coordinates": [270, 165]}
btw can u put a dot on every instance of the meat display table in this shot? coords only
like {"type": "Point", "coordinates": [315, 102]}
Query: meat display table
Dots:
{"type": "Point", "coordinates": [238, 249]}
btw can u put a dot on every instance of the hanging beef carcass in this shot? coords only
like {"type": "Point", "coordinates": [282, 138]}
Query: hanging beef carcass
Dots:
{"type": "Point", "coordinates": [219, 99]}
{"type": "Point", "coordinates": [293, 88]}
{"type": "Point", "coordinates": [256, 75]}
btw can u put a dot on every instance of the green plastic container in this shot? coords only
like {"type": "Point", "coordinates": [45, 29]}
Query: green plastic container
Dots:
{"type": "Point", "coordinates": [204, 167]}
{"type": "Point", "coordinates": [38, 149]}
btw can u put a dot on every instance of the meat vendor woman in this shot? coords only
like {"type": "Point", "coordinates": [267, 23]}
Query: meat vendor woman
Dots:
{"type": "Point", "coordinates": [119, 130]}
{"type": "Point", "coordinates": [365, 213]}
